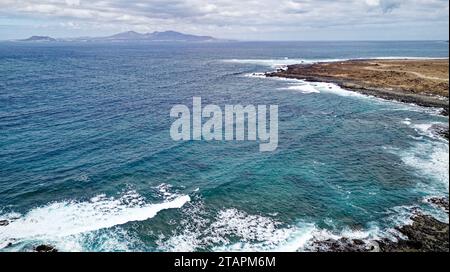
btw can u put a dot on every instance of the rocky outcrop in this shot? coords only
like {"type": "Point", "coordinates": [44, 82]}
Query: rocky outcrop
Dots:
{"type": "Point", "coordinates": [343, 245]}
{"type": "Point", "coordinates": [422, 82]}
{"type": "Point", "coordinates": [440, 202]}
{"type": "Point", "coordinates": [425, 234]}
{"type": "Point", "coordinates": [45, 248]}
{"type": "Point", "coordinates": [441, 131]}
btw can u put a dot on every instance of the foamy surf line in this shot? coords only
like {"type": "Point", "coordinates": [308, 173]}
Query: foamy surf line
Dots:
{"type": "Point", "coordinates": [284, 62]}
{"type": "Point", "coordinates": [68, 218]}
{"type": "Point", "coordinates": [308, 87]}
{"type": "Point", "coordinates": [279, 63]}
{"type": "Point", "coordinates": [258, 233]}
{"type": "Point", "coordinates": [234, 230]}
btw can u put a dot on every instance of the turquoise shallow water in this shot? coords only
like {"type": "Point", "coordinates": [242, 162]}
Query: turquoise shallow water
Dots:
{"type": "Point", "coordinates": [87, 163]}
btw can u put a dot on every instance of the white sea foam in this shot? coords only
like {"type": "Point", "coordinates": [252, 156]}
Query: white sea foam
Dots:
{"type": "Point", "coordinates": [255, 233]}
{"type": "Point", "coordinates": [407, 121]}
{"type": "Point", "coordinates": [282, 79]}
{"type": "Point", "coordinates": [248, 228]}
{"type": "Point", "coordinates": [237, 231]}
{"type": "Point", "coordinates": [424, 129]}
{"type": "Point", "coordinates": [313, 87]}
{"type": "Point", "coordinates": [335, 89]}
{"type": "Point", "coordinates": [189, 235]}
{"type": "Point", "coordinates": [318, 87]}
{"type": "Point", "coordinates": [277, 238]}
{"type": "Point", "coordinates": [429, 156]}
{"type": "Point", "coordinates": [324, 87]}
{"type": "Point", "coordinates": [431, 159]}
{"type": "Point", "coordinates": [280, 63]}
{"type": "Point", "coordinates": [303, 88]}
{"type": "Point", "coordinates": [69, 218]}
{"type": "Point", "coordinates": [116, 239]}
{"type": "Point", "coordinates": [255, 75]}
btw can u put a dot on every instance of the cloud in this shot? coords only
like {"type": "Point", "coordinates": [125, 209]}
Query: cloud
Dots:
{"type": "Point", "coordinates": [385, 5]}
{"type": "Point", "coordinates": [229, 17]}
{"type": "Point", "coordinates": [73, 2]}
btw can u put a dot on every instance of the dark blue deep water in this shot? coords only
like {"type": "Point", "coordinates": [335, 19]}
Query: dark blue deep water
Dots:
{"type": "Point", "coordinates": [87, 163]}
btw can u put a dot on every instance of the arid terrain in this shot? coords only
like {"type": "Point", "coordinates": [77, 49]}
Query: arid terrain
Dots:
{"type": "Point", "coordinates": [423, 82]}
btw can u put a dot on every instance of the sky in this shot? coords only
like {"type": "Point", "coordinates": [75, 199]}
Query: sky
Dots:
{"type": "Point", "coordinates": [231, 19]}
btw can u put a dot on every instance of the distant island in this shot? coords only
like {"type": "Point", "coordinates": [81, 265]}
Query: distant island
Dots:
{"type": "Point", "coordinates": [130, 36]}
{"type": "Point", "coordinates": [39, 39]}
{"type": "Point", "coordinates": [158, 36]}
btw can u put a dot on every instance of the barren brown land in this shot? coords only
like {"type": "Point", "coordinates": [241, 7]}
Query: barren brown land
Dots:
{"type": "Point", "coordinates": [423, 82]}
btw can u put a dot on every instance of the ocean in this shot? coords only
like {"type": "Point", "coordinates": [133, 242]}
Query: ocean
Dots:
{"type": "Point", "coordinates": [87, 162]}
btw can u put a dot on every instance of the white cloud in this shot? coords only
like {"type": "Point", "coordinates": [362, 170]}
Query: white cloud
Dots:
{"type": "Point", "coordinates": [385, 5]}
{"type": "Point", "coordinates": [73, 2]}
{"type": "Point", "coordinates": [231, 18]}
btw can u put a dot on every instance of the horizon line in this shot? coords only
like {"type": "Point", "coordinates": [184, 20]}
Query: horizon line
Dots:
{"type": "Point", "coordinates": [67, 39]}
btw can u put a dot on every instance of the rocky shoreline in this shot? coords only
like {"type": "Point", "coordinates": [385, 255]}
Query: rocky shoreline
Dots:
{"type": "Point", "coordinates": [440, 131]}
{"type": "Point", "coordinates": [420, 82]}
{"type": "Point", "coordinates": [425, 234]}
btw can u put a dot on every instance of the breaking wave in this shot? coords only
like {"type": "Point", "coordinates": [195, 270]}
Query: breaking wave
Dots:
{"type": "Point", "coordinates": [279, 63]}
{"type": "Point", "coordinates": [69, 218]}
{"type": "Point", "coordinates": [233, 230]}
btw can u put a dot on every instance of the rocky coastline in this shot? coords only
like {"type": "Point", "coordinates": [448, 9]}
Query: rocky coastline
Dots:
{"type": "Point", "coordinates": [421, 82]}
{"type": "Point", "coordinates": [425, 234]}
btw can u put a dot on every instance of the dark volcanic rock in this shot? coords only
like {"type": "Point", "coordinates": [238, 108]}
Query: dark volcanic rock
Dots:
{"type": "Point", "coordinates": [426, 234]}
{"type": "Point", "coordinates": [440, 202]}
{"type": "Point", "coordinates": [4, 223]}
{"type": "Point", "coordinates": [399, 80]}
{"type": "Point", "coordinates": [45, 248]}
{"type": "Point", "coordinates": [440, 130]}
{"type": "Point", "coordinates": [343, 245]}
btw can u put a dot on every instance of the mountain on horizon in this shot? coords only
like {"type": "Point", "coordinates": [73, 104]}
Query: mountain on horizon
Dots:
{"type": "Point", "coordinates": [157, 36]}
{"type": "Point", "coordinates": [39, 39]}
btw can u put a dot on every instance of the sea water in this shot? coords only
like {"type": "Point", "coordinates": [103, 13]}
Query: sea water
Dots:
{"type": "Point", "coordinates": [87, 162]}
